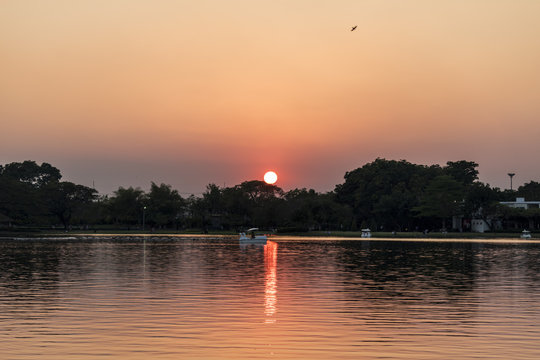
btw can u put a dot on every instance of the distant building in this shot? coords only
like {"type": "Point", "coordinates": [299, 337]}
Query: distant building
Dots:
{"type": "Point", "coordinates": [527, 222]}
{"type": "Point", "coordinates": [480, 224]}
{"type": "Point", "coordinates": [522, 204]}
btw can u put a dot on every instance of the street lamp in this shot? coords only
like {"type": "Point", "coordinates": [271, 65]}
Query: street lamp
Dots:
{"type": "Point", "coordinates": [143, 218]}
{"type": "Point", "coordinates": [511, 176]}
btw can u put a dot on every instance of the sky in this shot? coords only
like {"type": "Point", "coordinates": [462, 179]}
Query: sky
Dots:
{"type": "Point", "coordinates": [187, 93]}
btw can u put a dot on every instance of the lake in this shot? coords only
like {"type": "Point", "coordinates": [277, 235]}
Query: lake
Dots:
{"type": "Point", "coordinates": [210, 298]}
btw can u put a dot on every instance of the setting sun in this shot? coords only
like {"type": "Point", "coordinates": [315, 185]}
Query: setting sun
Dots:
{"type": "Point", "coordinates": [270, 177]}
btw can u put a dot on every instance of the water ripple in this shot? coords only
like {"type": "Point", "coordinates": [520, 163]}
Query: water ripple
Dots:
{"type": "Point", "coordinates": [209, 298]}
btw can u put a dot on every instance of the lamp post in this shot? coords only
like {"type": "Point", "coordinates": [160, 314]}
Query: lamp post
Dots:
{"type": "Point", "coordinates": [511, 176]}
{"type": "Point", "coordinates": [143, 216]}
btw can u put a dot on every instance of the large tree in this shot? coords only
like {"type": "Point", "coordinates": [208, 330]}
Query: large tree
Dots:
{"type": "Point", "coordinates": [530, 191]}
{"type": "Point", "coordinates": [442, 199]}
{"type": "Point", "coordinates": [462, 171]}
{"type": "Point", "coordinates": [165, 206]}
{"type": "Point", "coordinates": [210, 207]}
{"type": "Point", "coordinates": [384, 191]}
{"type": "Point", "coordinates": [482, 202]}
{"type": "Point", "coordinates": [308, 209]}
{"type": "Point", "coordinates": [22, 195]}
{"type": "Point", "coordinates": [126, 205]}
{"type": "Point", "coordinates": [301, 208]}
{"type": "Point", "coordinates": [65, 198]}
{"type": "Point", "coordinates": [262, 201]}
{"type": "Point", "coordinates": [31, 173]}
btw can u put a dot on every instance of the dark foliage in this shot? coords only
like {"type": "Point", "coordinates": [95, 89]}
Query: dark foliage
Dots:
{"type": "Point", "coordinates": [385, 195]}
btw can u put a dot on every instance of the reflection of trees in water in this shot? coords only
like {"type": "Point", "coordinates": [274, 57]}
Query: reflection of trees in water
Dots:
{"type": "Point", "coordinates": [29, 264]}
{"type": "Point", "coordinates": [408, 266]}
{"type": "Point", "coordinates": [532, 265]}
{"type": "Point", "coordinates": [200, 268]}
{"type": "Point", "coordinates": [29, 275]}
{"type": "Point", "coordinates": [374, 273]}
{"type": "Point", "coordinates": [507, 261]}
{"type": "Point", "coordinates": [420, 277]}
{"type": "Point", "coordinates": [380, 274]}
{"type": "Point", "coordinates": [408, 277]}
{"type": "Point", "coordinates": [42, 270]}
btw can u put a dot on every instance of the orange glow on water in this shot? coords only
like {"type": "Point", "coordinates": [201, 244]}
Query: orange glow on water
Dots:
{"type": "Point", "coordinates": [196, 298]}
{"type": "Point", "coordinates": [270, 289]}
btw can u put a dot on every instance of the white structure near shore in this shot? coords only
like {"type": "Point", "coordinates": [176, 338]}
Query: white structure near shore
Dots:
{"type": "Point", "coordinates": [481, 225]}
{"type": "Point", "coordinates": [521, 203]}
{"type": "Point", "coordinates": [478, 224]}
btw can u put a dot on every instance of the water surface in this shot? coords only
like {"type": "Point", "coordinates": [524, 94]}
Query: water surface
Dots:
{"type": "Point", "coordinates": [210, 298]}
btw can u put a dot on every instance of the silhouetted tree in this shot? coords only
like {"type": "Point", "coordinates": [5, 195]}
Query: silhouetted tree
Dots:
{"type": "Point", "coordinates": [462, 171]}
{"type": "Point", "coordinates": [253, 203]}
{"type": "Point", "coordinates": [31, 173]}
{"type": "Point", "coordinates": [442, 199]}
{"type": "Point", "coordinates": [384, 191]}
{"type": "Point", "coordinates": [126, 206]}
{"type": "Point", "coordinates": [530, 191]}
{"type": "Point", "coordinates": [165, 206]}
{"type": "Point", "coordinates": [383, 194]}
{"type": "Point", "coordinates": [481, 202]}
{"type": "Point", "coordinates": [65, 198]}
{"type": "Point", "coordinates": [22, 197]}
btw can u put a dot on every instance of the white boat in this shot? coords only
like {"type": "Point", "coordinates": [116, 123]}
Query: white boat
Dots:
{"type": "Point", "coordinates": [366, 233]}
{"type": "Point", "coordinates": [525, 234]}
{"type": "Point", "coordinates": [252, 237]}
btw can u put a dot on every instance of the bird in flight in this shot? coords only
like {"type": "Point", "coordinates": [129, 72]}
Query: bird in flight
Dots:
{"type": "Point", "coordinates": [354, 27]}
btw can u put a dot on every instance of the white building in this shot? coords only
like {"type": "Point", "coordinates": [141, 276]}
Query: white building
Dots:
{"type": "Point", "coordinates": [521, 203]}
{"type": "Point", "coordinates": [477, 224]}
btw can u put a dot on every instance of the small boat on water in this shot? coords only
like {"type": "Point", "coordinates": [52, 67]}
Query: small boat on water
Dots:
{"type": "Point", "coordinates": [525, 234]}
{"type": "Point", "coordinates": [251, 237]}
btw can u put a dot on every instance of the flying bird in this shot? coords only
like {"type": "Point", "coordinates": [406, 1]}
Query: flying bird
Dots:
{"type": "Point", "coordinates": [354, 27]}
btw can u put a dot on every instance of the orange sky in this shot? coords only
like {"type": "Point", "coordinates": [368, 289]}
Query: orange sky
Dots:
{"type": "Point", "coordinates": [188, 93]}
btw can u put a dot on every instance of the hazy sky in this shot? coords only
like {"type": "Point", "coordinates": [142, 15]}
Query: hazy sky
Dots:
{"type": "Point", "coordinates": [124, 92]}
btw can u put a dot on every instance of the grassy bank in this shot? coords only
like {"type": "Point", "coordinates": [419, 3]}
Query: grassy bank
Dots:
{"type": "Point", "coordinates": [417, 235]}
{"type": "Point", "coordinates": [40, 232]}
{"type": "Point", "coordinates": [46, 232]}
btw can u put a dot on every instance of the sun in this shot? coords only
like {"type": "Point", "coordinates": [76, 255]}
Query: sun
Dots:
{"type": "Point", "coordinates": [270, 177]}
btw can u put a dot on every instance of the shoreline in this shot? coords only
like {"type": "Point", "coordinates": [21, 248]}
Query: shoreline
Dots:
{"type": "Point", "coordinates": [77, 236]}
{"type": "Point", "coordinates": [41, 232]}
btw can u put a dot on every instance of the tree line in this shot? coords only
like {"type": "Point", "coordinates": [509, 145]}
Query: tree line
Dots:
{"type": "Point", "coordinates": [384, 195]}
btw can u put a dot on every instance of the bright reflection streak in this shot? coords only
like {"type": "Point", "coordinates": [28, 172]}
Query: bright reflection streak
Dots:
{"type": "Point", "coordinates": [270, 289]}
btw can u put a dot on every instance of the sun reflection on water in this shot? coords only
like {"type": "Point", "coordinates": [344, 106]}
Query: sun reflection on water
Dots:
{"type": "Point", "coordinates": [270, 289]}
